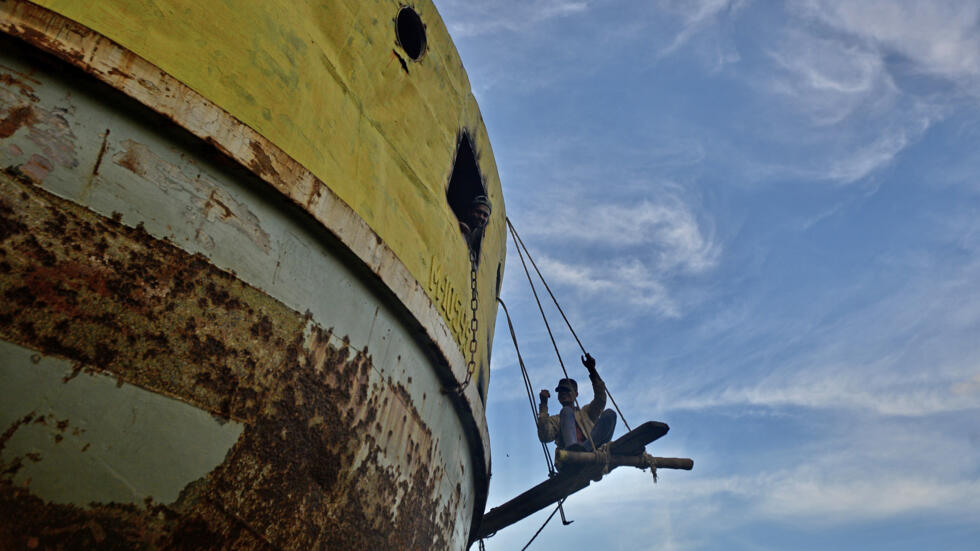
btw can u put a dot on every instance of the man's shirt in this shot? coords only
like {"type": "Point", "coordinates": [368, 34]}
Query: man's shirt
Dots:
{"type": "Point", "coordinates": [549, 427]}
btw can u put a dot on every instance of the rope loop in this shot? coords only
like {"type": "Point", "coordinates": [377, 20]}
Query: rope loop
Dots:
{"type": "Point", "coordinates": [604, 455]}
{"type": "Point", "coordinates": [651, 462]}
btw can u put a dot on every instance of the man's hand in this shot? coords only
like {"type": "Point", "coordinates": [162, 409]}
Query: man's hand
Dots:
{"type": "Point", "coordinates": [544, 394]}
{"type": "Point", "coordinates": [589, 363]}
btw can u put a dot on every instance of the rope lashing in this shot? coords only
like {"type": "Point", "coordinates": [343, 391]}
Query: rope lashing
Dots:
{"type": "Point", "coordinates": [520, 255]}
{"type": "Point", "coordinates": [604, 454]}
{"type": "Point", "coordinates": [519, 244]}
{"type": "Point", "coordinates": [652, 463]}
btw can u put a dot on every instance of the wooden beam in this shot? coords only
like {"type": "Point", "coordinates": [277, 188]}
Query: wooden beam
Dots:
{"type": "Point", "coordinates": [570, 480]}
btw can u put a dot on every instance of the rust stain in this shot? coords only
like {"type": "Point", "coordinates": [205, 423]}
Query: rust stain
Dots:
{"type": "Point", "coordinates": [8, 80]}
{"type": "Point", "coordinates": [316, 191]}
{"type": "Point", "coordinates": [260, 163]}
{"type": "Point", "coordinates": [48, 129]}
{"type": "Point", "coordinates": [15, 118]}
{"type": "Point", "coordinates": [332, 456]}
{"type": "Point", "coordinates": [213, 200]}
{"type": "Point", "coordinates": [37, 168]}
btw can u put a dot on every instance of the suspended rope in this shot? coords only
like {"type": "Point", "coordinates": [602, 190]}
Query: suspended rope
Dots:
{"type": "Point", "coordinates": [517, 238]}
{"type": "Point", "coordinates": [543, 525]}
{"type": "Point", "coordinates": [528, 387]}
{"type": "Point", "coordinates": [546, 325]}
{"type": "Point", "coordinates": [519, 244]}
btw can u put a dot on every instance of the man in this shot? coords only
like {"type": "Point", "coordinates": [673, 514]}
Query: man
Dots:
{"type": "Point", "coordinates": [476, 219]}
{"type": "Point", "coordinates": [569, 427]}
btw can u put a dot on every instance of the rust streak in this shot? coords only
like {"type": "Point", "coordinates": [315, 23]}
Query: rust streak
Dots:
{"type": "Point", "coordinates": [102, 149]}
{"type": "Point", "coordinates": [17, 117]}
{"type": "Point", "coordinates": [261, 163]}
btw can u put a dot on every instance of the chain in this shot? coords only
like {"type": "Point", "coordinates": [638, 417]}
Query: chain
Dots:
{"type": "Point", "coordinates": [474, 323]}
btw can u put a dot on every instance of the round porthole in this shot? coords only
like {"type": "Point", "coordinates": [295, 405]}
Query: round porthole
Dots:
{"type": "Point", "coordinates": [410, 33]}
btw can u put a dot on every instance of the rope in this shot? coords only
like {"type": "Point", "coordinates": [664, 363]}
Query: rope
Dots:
{"type": "Point", "coordinates": [519, 245]}
{"type": "Point", "coordinates": [527, 387]}
{"type": "Point", "coordinates": [604, 455]}
{"type": "Point", "coordinates": [652, 463]}
{"type": "Point", "coordinates": [543, 525]}
{"type": "Point", "coordinates": [564, 317]}
{"type": "Point", "coordinates": [513, 233]}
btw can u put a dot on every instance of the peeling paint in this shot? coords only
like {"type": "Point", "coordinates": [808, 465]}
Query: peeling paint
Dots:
{"type": "Point", "coordinates": [332, 456]}
{"type": "Point", "coordinates": [45, 127]}
{"type": "Point", "coordinates": [214, 203]}
{"type": "Point", "coordinates": [109, 442]}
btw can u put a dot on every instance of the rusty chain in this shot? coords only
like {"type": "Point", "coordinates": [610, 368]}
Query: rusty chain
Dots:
{"type": "Point", "coordinates": [474, 324]}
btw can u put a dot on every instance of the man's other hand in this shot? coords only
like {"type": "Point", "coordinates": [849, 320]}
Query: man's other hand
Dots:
{"type": "Point", "coordinates": [544, 394]}
{"type": "Point", "coordinates": [589, 363]}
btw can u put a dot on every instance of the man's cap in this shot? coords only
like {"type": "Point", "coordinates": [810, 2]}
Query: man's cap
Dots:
{"type": "Point", "coordinates": [567, 383]}
{"type": "Point", "coordinates": [481, 200]}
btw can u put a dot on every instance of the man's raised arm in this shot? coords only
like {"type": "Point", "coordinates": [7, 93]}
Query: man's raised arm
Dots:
{"type": "Point", "coordinates": [547, 427]}
{"type": "Point", "coordinates": [598, 403]}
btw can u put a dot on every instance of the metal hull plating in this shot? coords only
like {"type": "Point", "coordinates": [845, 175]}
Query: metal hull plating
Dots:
{"type": "Point", "coordinates": [191, 361]}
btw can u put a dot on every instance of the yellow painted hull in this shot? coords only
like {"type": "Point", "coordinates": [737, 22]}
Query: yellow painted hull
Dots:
{"type": "Point", "coordinates": [302, 310]}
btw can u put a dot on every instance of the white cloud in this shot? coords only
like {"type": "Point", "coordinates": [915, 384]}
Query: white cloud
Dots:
{"type": "Point", "coordinates": [867, 158]}
{"type": "Point", "coordinates": [636, 250]}
{"type": "Point", "coordinates": [829, 79]}
{"type": "Point", "coordinates": [845, 391]}
{"type": "Point", "coordinates": [867, 499]}
{"type": "Point", "coordinates": [480, 18]}
{"type": "Point", "coordinates": [696, 16]}
{"type": "Point", "coordinates": [666, 231]}
{"type": "Point", "coordinates": [938, 36]}
{"type": "Point", "coordinates": [859, 471]}
{"type": "Point", "coordinates": [624, 282]}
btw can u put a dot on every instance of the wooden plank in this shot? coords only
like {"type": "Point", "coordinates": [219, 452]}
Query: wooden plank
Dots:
{"type": "Point", "coordinates": [634, 442]}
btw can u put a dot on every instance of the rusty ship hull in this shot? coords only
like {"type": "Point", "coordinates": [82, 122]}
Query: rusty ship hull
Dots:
{"type": "Point", "coordinates": [211, 336]}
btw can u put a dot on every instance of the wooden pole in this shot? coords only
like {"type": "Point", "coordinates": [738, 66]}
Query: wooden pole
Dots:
{"type": "Point", "coordinates": [563, 457]}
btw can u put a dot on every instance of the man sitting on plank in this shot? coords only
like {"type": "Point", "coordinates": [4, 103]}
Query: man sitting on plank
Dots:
{"type": "Point", "coordinates": [568, 429]}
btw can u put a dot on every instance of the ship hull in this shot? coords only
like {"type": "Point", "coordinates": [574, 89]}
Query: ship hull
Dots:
{"type": "Point", "coordinates": [191, 361]}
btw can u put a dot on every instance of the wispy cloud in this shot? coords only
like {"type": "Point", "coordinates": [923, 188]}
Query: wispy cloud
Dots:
{"type": "Point", "coordinates": [864, 471]}
{"type": "Point", "coordinates": [624, 282]}
{"type": "Point", "coordinates": [845, 67]}
{"type": "Point", "coordinates": [695, 16]}
{"type": "Point", "coordinates": [938, 37]}
{"type": "Point", "coordinates": [636, 250]}
{"type": "Point", "coordinates": [882, 358]}
{"type": "Point", "coordinates": [829, 79]}
{"type": "Point", "coordinates": [479, 18]}
{"type": "Point", "coordinates": [667, 231]}
{"type": "Point", "coordinates": [846, 389]}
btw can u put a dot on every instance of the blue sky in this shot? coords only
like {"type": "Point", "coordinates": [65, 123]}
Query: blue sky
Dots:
{"type": "Point", "coordinates": [762, 219]}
